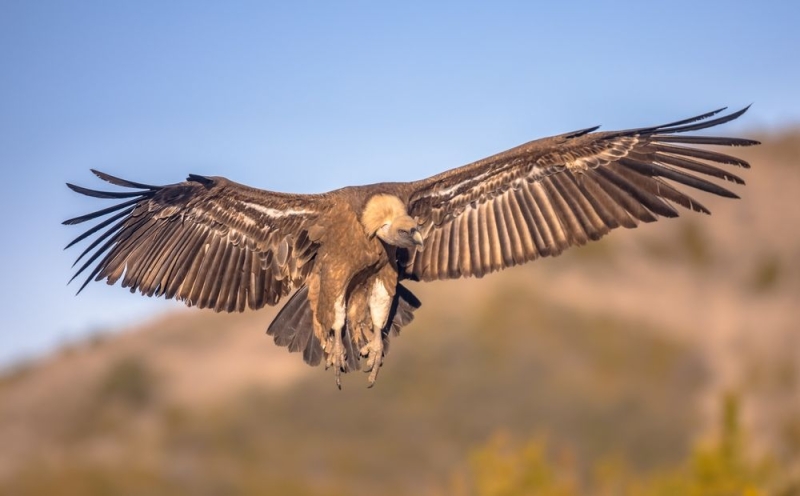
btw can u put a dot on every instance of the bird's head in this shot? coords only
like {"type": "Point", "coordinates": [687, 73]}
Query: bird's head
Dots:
{"type": "Point", "coordinates": [402, 232]}
{"type": "Point", "coordinates": [385, 216]}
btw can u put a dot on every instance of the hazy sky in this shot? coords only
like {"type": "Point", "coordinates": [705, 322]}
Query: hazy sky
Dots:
{"type": "Point", "coordinates": [311, 96]}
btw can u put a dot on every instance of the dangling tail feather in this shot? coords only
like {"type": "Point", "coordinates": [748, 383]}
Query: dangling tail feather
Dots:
{"type": "Point", "coordinates": [293, 327]}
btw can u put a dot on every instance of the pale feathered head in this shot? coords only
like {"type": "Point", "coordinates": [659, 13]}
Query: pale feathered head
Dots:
{"type": "Point", "coordinates": [385, 216]}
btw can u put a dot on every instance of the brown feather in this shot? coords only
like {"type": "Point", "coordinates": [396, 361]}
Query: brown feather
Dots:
{"type": "Point", "coordinates": [493, 239]}
{"type": "Point", "coordinates": [536, 224]}
{"type": "Point", "coordinates": [515, 243]}
{"type": "Point", "coordinates": [644, 189]}
{"type": "Point", "coordinates": [636, 209]}
{"type": "Point", "coordinates": [566, 207]}
{"type": "Point", "coordinates": [613, 214]}
{"type": "Point", "coordinates": [539, 198]}
{"type": "Point", "coordinates": [473, 232]}
{"type": "Point", "coordinates": [186, 263]}
{"type": "Point", "coordinates": [694, 165]}
{"type": "Point", "coordinates": [558, 239]}
{"type": "Point", "coordinates": [485, 249]}
{"type": "Point", "coordinates": [526, 238]}
{"type": "Point", "coordinates": [503, 234]}
{"type": "Point", "coordinates": [177, 247]}
{"type": "Point", "coordinates": [453, 271]}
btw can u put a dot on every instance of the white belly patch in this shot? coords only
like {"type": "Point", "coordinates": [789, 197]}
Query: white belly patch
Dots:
{"type": "Point", "coordinates": [380, 303]}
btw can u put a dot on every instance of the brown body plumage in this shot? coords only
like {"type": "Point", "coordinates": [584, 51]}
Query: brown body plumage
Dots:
{"type": "Point", "coordinates": [217, 244]}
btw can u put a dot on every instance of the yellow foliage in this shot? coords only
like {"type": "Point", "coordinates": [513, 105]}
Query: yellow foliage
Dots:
{"type": "Point", "coordinates": [504, 467]}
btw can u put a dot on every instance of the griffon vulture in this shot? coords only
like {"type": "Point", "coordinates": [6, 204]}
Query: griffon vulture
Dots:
{"type": "Point", "coordinates": [213, 243]}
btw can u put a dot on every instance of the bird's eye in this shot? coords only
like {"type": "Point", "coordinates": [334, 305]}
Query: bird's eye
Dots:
{"type": "Point", "coordinates": [402, 231]}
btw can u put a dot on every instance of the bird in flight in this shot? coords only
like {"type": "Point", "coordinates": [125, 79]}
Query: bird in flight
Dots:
{"type": "Point", "coordinates": [214, 243]}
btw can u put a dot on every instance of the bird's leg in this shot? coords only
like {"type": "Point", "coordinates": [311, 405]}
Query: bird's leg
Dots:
{"type": "Point", "coordinates": [373, 351]}
{"type": "Point", "coordinates": [380, 303]}
{"type": "Point", "coordinates": [336, 355]}
{"type": "Point", "coordinates": [334, 347]}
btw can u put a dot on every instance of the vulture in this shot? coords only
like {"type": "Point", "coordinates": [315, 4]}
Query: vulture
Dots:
{"type": "Point", "coordinates": [214, 243]}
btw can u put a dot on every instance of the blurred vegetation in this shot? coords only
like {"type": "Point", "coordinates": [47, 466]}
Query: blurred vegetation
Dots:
{"type": "Point", "coordinates": [219, 455]}
{"type": "Point", "coordinates": [766, 273]}
{"type": "Point", "coordinates": [601, 251]}
{"type": "Point", "coordinates": [595, 383]}
{"type": "Point", "coordinates": [689, 244]}
{"type": "Point", "coordinates": [130, 382]}
{"type": "Point", "coordinates": [503, 467]}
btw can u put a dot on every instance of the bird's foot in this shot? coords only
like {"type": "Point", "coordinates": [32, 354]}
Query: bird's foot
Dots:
{"type": "Point", "coordinates": [373, 351]}
{"type": "Point", "coordinates": [336, 356]}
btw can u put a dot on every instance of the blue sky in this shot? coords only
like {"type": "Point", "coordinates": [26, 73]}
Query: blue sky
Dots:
{"type": "Point", "coordinates": [311, 96]}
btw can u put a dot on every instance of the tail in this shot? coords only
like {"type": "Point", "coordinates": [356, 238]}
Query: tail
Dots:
{"type": "Point", "coordinates": [293, 326]}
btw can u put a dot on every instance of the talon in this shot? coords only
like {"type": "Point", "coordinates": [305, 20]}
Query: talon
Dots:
{"type": "Point", "coordinates": [327, 347]}
{"type": "Point", "coordinates": [337, 358]}
{"type": "Point", "coordinates": [373, 351]}
{"type": "Point", "coordinates": [373, 375]}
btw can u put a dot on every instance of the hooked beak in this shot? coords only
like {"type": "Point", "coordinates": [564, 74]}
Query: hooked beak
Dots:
{"type": "Point", "coordinates": [417, 236]}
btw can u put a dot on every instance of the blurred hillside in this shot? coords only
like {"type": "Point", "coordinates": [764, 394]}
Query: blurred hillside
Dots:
{"type": "Point", "coordinates": [618, 352]}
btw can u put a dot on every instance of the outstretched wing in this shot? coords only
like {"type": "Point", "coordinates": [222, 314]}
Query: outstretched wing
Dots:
{"type": "Point", "coordinates": [544, 196]}
{"type": "Point", "coordinates": [207, 241]}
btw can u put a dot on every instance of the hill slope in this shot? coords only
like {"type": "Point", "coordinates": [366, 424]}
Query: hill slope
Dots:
{"type": "Point", "coordinates": [619, 348]}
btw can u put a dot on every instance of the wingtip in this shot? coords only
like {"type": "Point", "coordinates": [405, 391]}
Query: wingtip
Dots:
{"type": "Point", "coordinates": [85, 283]}
{"type": "Point", "coordinates": [741, 112]}
{"type": "Point", "coordinates": [118, 181]}
{"type": "Point", "coordinates": [200, 179]}
{"type": "Point", "coordinates": [710, 114]}
{"type": "Point", "coordinates": [582, 132]}
{"type": "Point", "coordinates": [82, 285]}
